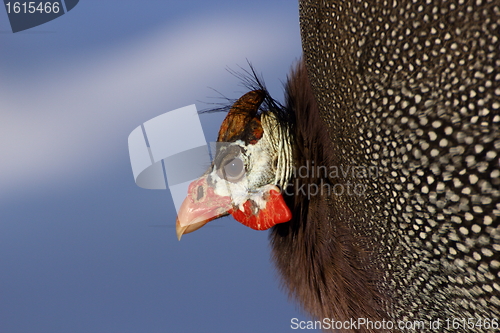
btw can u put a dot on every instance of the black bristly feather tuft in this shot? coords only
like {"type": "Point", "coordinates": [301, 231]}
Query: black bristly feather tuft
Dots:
{"type": "Point", "coordinates": [250, 80]}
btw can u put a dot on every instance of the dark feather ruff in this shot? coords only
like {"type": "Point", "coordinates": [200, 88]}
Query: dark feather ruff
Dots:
{"type": "Point", "coordinates": [323, 263]}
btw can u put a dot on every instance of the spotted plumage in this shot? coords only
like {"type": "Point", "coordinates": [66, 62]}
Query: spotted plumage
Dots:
{"type": "Point", "coordinates": [413, 88]}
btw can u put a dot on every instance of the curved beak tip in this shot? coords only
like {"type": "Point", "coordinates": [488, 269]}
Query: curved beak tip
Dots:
{"type": "Point", "coordinates": [179, 230]}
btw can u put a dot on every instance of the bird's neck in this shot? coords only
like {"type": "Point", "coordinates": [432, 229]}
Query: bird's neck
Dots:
{"type": "Point", "coordinates": [279, 138]}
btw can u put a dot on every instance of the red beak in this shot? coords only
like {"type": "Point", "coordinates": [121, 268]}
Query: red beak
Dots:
{"type": "Point", "coordinates": [201, 206]}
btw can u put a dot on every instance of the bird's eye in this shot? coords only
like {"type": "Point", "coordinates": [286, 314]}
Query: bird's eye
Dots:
{"type": "Point", "coordinates": [234, 170]}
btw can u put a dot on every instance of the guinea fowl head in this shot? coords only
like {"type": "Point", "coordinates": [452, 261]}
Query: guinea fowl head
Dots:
{"type": "Point", "coordinates": [253, 158]}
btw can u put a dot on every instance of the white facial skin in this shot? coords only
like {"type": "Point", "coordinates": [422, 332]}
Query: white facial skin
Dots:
{"type": "Point", "coordinates": [249, 175]}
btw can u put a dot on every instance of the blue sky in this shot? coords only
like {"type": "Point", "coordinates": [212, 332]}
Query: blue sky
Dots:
{"type": "Point", "coordinates": [82, 248]}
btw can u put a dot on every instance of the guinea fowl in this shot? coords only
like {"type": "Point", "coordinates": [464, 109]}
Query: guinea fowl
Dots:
{"type": "Point", "coordinates": [393, 117]}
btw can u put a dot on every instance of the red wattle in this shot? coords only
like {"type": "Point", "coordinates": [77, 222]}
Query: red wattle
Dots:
{"type": "Point", "coordinates": [276, 211]}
